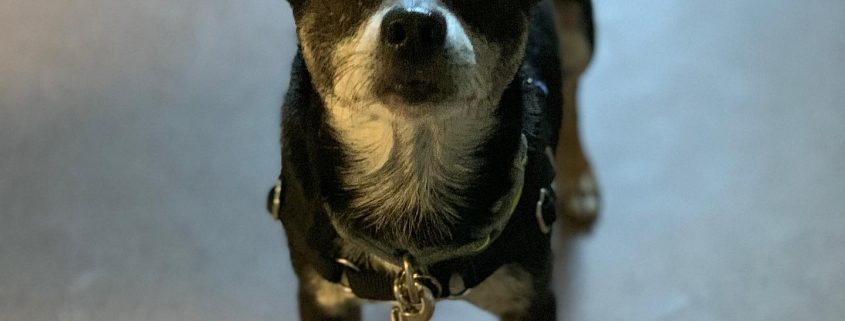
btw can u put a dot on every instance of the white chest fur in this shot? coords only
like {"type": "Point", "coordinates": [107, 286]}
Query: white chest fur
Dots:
{"type": "Point", "coordinates": [402, 164]}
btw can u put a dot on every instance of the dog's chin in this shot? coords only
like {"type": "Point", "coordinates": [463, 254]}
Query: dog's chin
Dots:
{"type": "Point", "coordinates": [414, 92]}
{"type": "Point", "coordinates": [419, 97]}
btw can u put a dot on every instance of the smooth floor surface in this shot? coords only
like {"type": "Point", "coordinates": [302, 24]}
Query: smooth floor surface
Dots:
{"type": "Point", "coordinates": [138, 140]}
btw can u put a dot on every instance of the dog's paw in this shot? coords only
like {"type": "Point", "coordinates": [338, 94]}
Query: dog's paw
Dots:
{"type": "Point", "coordinates": [578, 199]}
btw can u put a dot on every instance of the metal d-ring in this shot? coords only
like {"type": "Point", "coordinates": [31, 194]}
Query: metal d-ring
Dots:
{"type": "Point", "coordinates": [344, 276]}
{"type": "Point", "coordinates": [545, 196]}
{"type": "Point", "coordinates": [276, 203]}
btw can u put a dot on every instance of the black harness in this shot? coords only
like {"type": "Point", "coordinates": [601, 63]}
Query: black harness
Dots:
{"type": "Point", "coordinates": [525, 239]}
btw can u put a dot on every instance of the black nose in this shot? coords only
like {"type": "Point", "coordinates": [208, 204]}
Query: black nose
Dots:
{"type": "Point", "coordinates": [413, 33]}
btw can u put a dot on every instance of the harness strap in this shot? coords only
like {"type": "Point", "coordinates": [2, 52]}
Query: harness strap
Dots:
{"type": "Point", "coordinates": [449, 280]}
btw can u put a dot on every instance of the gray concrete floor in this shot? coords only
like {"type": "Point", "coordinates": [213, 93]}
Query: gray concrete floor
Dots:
{"type": "Point", "coordinates": [137, 140]}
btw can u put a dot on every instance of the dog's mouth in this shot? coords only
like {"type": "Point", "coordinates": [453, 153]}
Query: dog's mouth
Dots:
{"type": "Point", "coordinates": [414, 88]}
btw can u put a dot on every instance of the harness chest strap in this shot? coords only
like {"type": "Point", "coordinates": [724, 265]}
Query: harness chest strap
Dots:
{"type": "Point", "coordinates": [444, 280]}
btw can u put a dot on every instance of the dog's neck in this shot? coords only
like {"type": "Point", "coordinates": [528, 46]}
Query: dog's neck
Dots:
{"type": "Point", "coordinates": [403, 181]}
{"type": "Point", "coordinates": [415, 165]}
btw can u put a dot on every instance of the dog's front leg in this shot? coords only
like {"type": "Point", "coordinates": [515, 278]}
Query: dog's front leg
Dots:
{"type": "Point", "coordinates": [576, 186]}
{"type": "Point", "coordinates": [320, 300]}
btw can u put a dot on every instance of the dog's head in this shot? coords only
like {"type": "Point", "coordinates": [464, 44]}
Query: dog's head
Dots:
{"type": "Point", "coordinates": [411, 88]}
{"type": "Point", "coordinates": [414, 56]}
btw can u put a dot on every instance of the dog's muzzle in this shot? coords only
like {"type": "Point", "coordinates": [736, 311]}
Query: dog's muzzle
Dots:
{"type": "Point", "coordinates": [412, 50]}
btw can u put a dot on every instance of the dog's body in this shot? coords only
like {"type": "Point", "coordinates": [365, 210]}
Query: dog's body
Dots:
{"type": "Point", "coordinates": [424, 129]}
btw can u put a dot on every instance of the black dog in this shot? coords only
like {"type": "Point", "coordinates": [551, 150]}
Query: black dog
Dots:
{"type": "Point", "coordinates": [418, 142]}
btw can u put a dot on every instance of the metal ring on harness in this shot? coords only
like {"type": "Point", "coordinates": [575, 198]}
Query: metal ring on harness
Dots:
{"type": "Point", "coordinates": [545, 195]}
{"type": "Point", "coordinates": [276, 202]}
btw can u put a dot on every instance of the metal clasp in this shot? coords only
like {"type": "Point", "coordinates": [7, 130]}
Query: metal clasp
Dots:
{"type": "Point", "coordinates": [414, 300]}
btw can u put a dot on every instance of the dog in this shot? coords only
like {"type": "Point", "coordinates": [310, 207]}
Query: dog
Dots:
{"type": "Point", "coordinates": [427, 146]}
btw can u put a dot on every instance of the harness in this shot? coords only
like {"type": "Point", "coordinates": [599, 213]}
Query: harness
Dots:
{"type": "Point", "coordinates": [416, 288]}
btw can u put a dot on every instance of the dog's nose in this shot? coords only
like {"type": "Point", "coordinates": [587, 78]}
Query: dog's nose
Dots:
{"type": "Point", "coordinates": [414, 33]}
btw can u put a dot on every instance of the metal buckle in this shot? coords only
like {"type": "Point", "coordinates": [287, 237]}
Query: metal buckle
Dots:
{"type": "Point", "coordinates": [414, 300]}
{"type": "Point", "coordinates": [545, 195]}
{"type": "Point", "coordinates": [275, 207]}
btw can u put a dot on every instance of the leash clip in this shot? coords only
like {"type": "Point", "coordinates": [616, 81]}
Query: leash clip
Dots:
{"type": "Point", "coordinates": [414, 300]}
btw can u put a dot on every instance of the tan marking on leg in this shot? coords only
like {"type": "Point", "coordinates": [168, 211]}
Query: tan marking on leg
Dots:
{"type": "Point", "coordinates": [577, 191]}
{"type": "Point", "coordinates": [507, 291]}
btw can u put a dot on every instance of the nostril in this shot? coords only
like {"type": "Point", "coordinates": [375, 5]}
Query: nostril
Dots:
{"type": "Point", "coordinates": [396, 33]}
